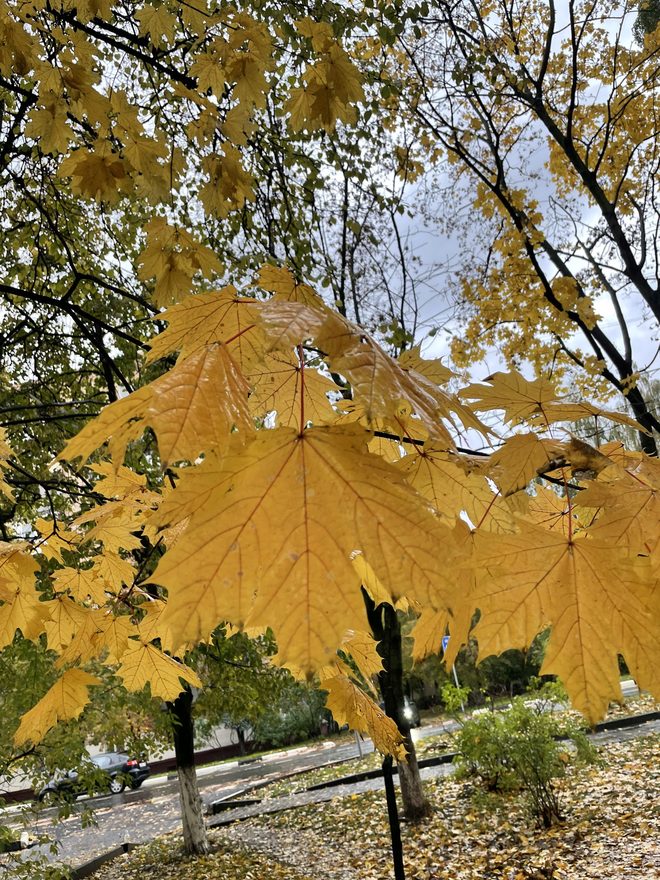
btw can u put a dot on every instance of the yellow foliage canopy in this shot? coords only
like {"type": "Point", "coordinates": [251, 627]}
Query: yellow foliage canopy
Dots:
{"type": "Point", "coordinates": [279, 521]}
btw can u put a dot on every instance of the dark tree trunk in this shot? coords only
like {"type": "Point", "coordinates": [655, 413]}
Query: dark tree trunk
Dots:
{"type": "Point", "coordinates": [240, 733]}
{"type": "Point", "coordinates": [194, 831]}
{"type": "Point", "coordinates": [386, 629]}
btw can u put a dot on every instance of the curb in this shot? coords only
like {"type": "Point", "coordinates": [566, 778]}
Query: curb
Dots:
{"type": "Point", "coordinates": [627, 721]}
{"type": "Point", "coordinates": [374, 774]}
{"type": "Point", "coordinates": [615, 724]}
{"type": "Point", "coordinates": [89, 868]}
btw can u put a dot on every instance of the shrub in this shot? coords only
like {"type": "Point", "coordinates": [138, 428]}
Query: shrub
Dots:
{"type": "Point", "coordinates": [454, 698]}
{"type": "Point", "coordinates": [522, 749]}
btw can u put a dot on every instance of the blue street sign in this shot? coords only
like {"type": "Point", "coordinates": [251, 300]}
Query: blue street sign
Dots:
{"type": "Point", "coordinates": [445, 642]}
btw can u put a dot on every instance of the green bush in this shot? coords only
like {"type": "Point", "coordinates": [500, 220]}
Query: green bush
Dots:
{"type": "Point", "coordinates": [522, 749]}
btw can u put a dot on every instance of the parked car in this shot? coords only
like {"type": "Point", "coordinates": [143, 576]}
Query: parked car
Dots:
{"type": "Point", "coordinates": [117, 771]}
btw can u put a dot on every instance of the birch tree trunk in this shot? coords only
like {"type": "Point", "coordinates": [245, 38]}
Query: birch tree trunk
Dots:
{"type": "Point", "coordinates": [195, 840]}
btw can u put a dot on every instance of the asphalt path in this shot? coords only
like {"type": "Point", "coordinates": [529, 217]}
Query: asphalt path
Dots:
{"type": "Point", "coordinates": [152, 810]}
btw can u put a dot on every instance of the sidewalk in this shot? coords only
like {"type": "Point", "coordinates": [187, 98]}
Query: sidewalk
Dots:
{"type": "Point", "coordinates": [349, 786]}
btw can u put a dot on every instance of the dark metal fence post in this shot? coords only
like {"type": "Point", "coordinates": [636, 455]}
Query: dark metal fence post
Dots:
{"type": "Point", "coordinates": [393, 816]}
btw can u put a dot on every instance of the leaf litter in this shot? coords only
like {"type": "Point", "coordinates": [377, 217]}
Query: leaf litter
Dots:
{"type": "Point", "coordinates": [612, 827]}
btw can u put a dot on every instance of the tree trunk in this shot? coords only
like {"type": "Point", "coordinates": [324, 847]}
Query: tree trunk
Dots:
{"type": "Point", "coordinates": [240, 733]}
{"type": "Point", "coordinates": [386, 630]}
{"type": "Point", "coordinates": [195, 840]}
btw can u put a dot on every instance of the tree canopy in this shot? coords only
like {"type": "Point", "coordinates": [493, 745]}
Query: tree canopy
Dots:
{"type": "Point", "coordinates": [542, 117]}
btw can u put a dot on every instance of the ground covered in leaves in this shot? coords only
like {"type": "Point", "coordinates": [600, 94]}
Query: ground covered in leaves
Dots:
{"type": "Point", "coordinates": [612, 828]}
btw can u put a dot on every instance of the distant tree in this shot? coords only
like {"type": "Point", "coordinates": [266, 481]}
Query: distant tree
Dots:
{"type": "Point", "coordinates": [240, 684]}
{"type": "Point", "coordinates": [647, 18]}
{"type": "Point", "coordinates": [544, 116]}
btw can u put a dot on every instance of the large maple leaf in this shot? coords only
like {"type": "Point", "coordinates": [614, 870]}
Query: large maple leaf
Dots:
{"type": "Point", "coordinates": [192, 408]}
{"type": "Point", "coordinates": [438, 475]}
{"type": "Point", "coordinates": [143, 663]}
{"type": "Point", "coordinates": [296, 394]}
{"type": "Point", "coordinates": [274, 548]}
{"type": "Point", "coordinates": [65, 700]}
{"type": "Point", "coordinates": [21, 608]}
{"type": "Point", "coordinates": [535, 401]}
{"type": "Point", "coordinates": [220, 316]}
{"type": "Point", "coordinates": [599, 602]}
{"type": "Point", "coordinates": [631, 508]}
{"type": "Point", "coordinates": [350, 705]}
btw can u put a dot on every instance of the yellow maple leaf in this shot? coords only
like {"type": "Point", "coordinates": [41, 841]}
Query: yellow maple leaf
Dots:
{"type": "Point", "coordinates": [113, 571]}
{"type": "Point", "coordinates": [427, 633]}
{"type": "Point", "coordinates": [518, 397]}
{"type": "Point", "coordinates": [116, 532]}
{"type": "Point", "coordinates": [573, 412]}
{"type": "Point", "coordinates": [54, 539]}
{"type": "Point", "coordinates": [349, 705]}
{"type": "Point", "coordinates": [102, 176]}
{"type": "Point", "coordinates": [400, 423]}
{"type": "Point", "coordinates": [599, 602]}
{"type": "Point", "coordinates": [373, 586]}
{"type": "Point", "coordinates": [65, 700]}
{"type": "Point", "coordinates": [331, 86]}
{"type": "Point", "coordinates": [363, 649]}
{"type": "Point", "coordinates": [145, 664]}
{"type": "Point", "coordinates": [549, 509]}
{"type": "Point", "coordinates": [49, 124]}
{"type": "Point", "coordinates": [210, 73]}
{"type": "Point", "coordinates": [275, 548]}
{"type": "Point", "coordinates": [438, 475]}
{"type": "Point", "coordinates": [157, 23]}
{"type": "Point", "coordinates": [319, 32]}
{"type": "Point", "coordinates": [191, 408]}
{"type": "Point", "coordinates": [22, 611]}
{"type": "Point", "coordinates": [195, 488]}
{"type": "Point", "coordinates": [433, 369]}
{"type": "Point", "coordinates": [380, 385]}
{"type": "Point", "coordinates": [117, 425]}
{"type": "Point", "coordinates": [83, 646]}
{"type": "Point", "coordinates": [535, 401]}
{"type": "Point", "coordinates": [281, 281]}
{"type": "Point", "coordinates": [299, 107]}
{"type": "Point", "coordinates": [173, 257]}
{"type": "Point", "coordinates": [466, 578]}
{"type": "Point", "coordinates": [218, 316]}
{"type": "Point", "coordinates": [519, 460]}
{"type": "Point", "coordinates": [5, 453]}
{"type": "Point", "coordinates": [114, 637]}
{"type": "Point", "coordinates": [65, 618]}
{"type": "Point", "coordinates": [630, 513]}
{"type": "Point", "coordinates": [148, 626]}
{"type": "Point", "coordinates": [117, 483]}
{"type": "Point", "coordinates": [17, 565]}
{"type": "Point", "coordinates": [238, 125]}
{"type": "Point", "coordinates": [229, 185]}
{"type": "Point", "coordinates": [297, 395]}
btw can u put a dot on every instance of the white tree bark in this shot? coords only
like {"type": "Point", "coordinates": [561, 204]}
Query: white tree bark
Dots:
{"type": "Point", "coordinates": [194, 831]}
{"type": "Point", "coordinates": [195, 840]}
